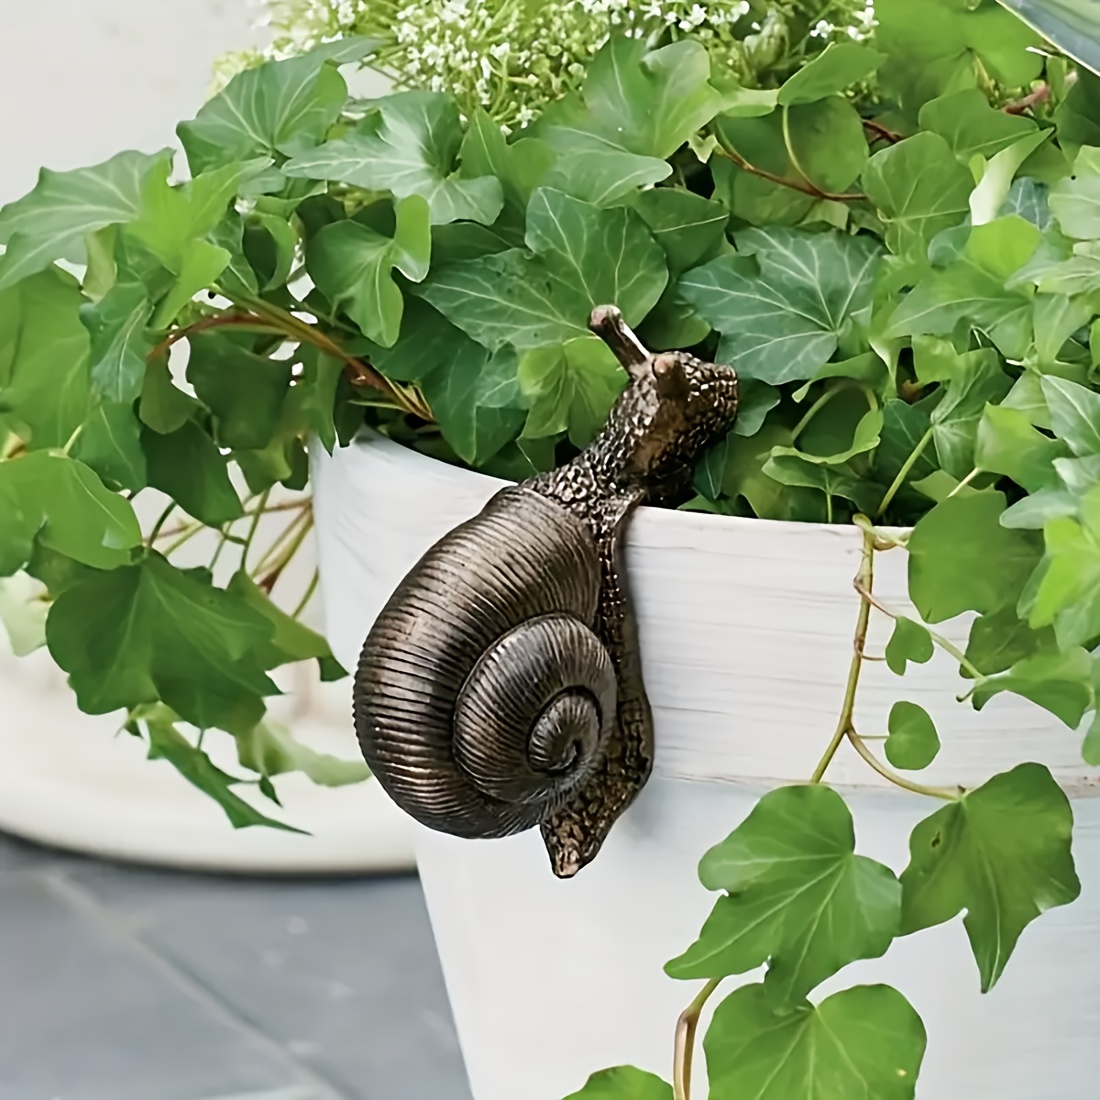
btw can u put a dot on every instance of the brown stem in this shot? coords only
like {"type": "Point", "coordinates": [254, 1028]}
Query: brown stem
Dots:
{"type": "Point", "coordinates": [805, 186]}
{"type": "Point", "coordinates": [1019, 106]}
{"type": "Point", "coordinates": [220, 320]}
{"type": "Point", "coordinates": [686, 1027]}
{"type": "Point", "coordinates": [882, 131]}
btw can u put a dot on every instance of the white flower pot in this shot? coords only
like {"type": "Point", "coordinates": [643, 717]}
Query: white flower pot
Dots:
{"type": "Point", "coordinates": [65, 779]}
{"type": "Point", "coordinates": [746, 632]}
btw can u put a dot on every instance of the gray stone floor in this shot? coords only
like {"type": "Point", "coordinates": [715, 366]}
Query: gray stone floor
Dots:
{"type": "Point", "coordinates": [119, 983]}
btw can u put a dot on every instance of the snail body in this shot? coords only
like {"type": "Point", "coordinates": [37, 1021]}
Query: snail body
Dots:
{"type": "Point", "coordinates": [501, 685]}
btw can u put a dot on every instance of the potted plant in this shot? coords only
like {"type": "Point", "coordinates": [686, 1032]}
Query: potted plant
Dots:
{"type": "Point", "coordinates": [67, 779]}
{"type": "Point", "coordinates": [893, 242]}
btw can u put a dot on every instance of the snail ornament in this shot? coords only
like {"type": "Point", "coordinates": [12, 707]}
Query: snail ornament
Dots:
{"type": "Point", "coordinates": [501, 686]}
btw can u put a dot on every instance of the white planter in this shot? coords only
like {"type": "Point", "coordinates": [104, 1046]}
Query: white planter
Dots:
{"type": "Point", "coordinates": [746, 632]}
{"type": "Point", "coordinates": [64, 778]}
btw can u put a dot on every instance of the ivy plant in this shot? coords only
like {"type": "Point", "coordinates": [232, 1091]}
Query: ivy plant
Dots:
{"type": "Point", "coordinates": [897, 245]}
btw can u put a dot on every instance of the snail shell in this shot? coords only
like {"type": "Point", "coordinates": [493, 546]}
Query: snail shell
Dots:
{"type": "Point", "coordinates": [483, 697]}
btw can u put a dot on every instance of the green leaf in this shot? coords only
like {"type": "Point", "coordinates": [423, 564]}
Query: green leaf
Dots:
{"type": "Point", "coordinates": [688, 227]}
{"type": "Point", "coordinates": [1060, 683]}
{"type": "Point", "coordinates": [783, 310]}
{"type": "Point", "coordinates": [187, 466]}
{"type": "Point", "coordinates": [1075, 414]}
{"type": "Point", "coordinates": [150, 632]}
{"type": "Point", "coordinates": [584, 257]}
{"type": "Point", "coordinates": [973, 289]}
{"type": "Point", "coordinates": [644, 102]}
{"type": "Point", "coordinates": [623, 1083]}
{"type": "Point", "coordinates": [1002, 853]}
{"type": "Point", "coordinates": [913, 742]}
{"type": "Point", "coordinates": [352, 266]}
{"type": "Point", "coordinates": [1075, 202]}
{"type": "Point", "coordinates": [919, 189]}
{"type": "Point", "coordinates": [279, 107]}
{"type": "Point", "coordinates": [24, 605]}
{"type": "Point", "coordinates": [167, 743]}
{"type": "Point", "coordinates": [866, 1041]}
{"type": "Point", "coordinates": [835, 69]}
{"type": "Point", "coordinates": [1090, 748]}
{"type": "Point", "coordinates": [998, 641]}
{"type": "Point", "coordinates": [951, 551]}
{"type": "Point", "coordinates": [1008, 444]}
{"type": "Point", "coordinates": [970, 126]}
{"type": "Point", "coordinates": [61, 503]}
{"type": "Point", "coordinates": [520, 166]}
{"type": "Point", "coordinates": [798, 897]}
{"type": "Point", "coordinates": [571, 388]}
{"type": "Point", "coordinates": [1067, 595]}
{"type": "Point", "coordinates": [52, 222]}
{"type": "Point", "coordinates": [46, 388]}
{"type": "Point", "coordinates": [164, 407]}
{"type": "Point", "coordinates": [826, 144]}
{"type": "Point", "coordinates": [110, 443]}
{"type": "Point", "coordinates": [271, 750]}
{"type": "Point", "coordinates": [119, 342]}
{"type": "Point", "coordinates": [1071, 25]}
{"type": "Point", "coordinates": [909, 641]}
{"type": "Point", "coordinates": [407, 144]}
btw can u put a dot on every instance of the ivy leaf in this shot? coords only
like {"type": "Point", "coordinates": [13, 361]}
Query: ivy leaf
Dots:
{"type": "Point", "coordinates": [47, 385]}
{"type": "Point", "coordinates": [52, 222]}
{"type": "Point", "coordinates": [973, 289]}
{"type": "Point", "coordinates": [623, 1083]}
{"type": "Point", "coordinates": [950, 551]}
{"type": "Point", "coordinates": [970, 126]}
{"type": "Point", "coordinates": [164, 407]}
{"type": "Point", "coordinates": [270, 750]}
{"type": "Point", "coordinates": [1007, 443]}
{"type": "Point", "coordinates": [1067, 594]}
{"type": "Point", "coordinates": [782, 310]}
{"type": "Point", "coordinates": [187, 466]}
{"type": "Point", "coordinates": [1074, 413]}
{"type": "Point", "coordinates": [167, 743]}
{"type": "Point", "coordinates": [275, 108]}
{"type": "Point", "coordinates": [998, 641]}
{"type": "Point", "coordinates": [110, 443]}
{"type": "Point", "coordinates": [61, 503]}
{"type": "Point", "coordinates": [865, 1041]}
{"type": "Point", "coordinates": [643, 102]}
{"type": "Point", "coordinates": [913, 742]}
{"type": "Point", "coordinates": [352, 265]}
{"type": "Point", "coordinates": [687, 226]}
{"type": "Point", "coordinates": [583, 257]}
{"type": "Point", "coordinates": [520, 166]}
{"type": "Point", "coordinates": [1002, 853]}
{"type": "Point", "coordinates": [835, 69]}
{"type": "Point", "coordinates": [791, 467]}
{"type": "Point", "coordinates": [291, 640]}
{"type": "Point", "coordinates": [798, 897]}
{"type": "Point", "coordinates": [1075, 202]}
{"type": "Point", "coordinates": [150, 632]}
{"type": "Point", "coordinates": [919, 189]}
{"type": "Point", "coordinates": [909, 641]}
{"type": "Point", "coordinates": [1059, 682]}
{"type": "Point", "coordinates": [570, 388]}
{"type": "Point", "coordinates": [407, 144]}
{"type": "Point", "coordinates": [119, 342]}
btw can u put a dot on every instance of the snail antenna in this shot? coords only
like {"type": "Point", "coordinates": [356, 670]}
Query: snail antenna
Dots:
{"type": "Point", "coordinates": [608, 324]}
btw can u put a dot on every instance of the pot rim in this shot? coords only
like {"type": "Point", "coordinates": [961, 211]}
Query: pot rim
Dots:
{"type": "Point", "coordinates": [712, 520]}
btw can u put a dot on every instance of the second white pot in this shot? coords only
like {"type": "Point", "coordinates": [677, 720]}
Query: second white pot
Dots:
{"type": "Point", "coordinates": [746, 633]}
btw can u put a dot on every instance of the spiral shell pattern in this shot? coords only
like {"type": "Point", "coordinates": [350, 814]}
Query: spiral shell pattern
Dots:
{"type": "Point", "coordinates": [483, 697]}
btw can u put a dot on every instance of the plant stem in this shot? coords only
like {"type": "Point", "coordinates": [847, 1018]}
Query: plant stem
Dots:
{"type": "Point", "coordinates": [806, 188]}
{"type": "Point", "coordinates": [686, 1026]}
{"type": "Point", "coordinates": [947, 793]}
{"type": "Point", "coordinates": [947, 646]}
{"type": "Point", "coordinates": [1019, 106]}
{"type": "Point", "coordinates": [881, 131]}
{"type": "Point", "coordinates": [303, 603]}
{"type": "Point", "coordinates": [965, 482]}
{"type": "Point", "coordinates": [905, 471]}
{"type": "Point", "coordinates": [162, 519]}
{"type": "Point", "coordinates": [268, 582]}
{"type": "Point", "coordinates": [863, 580]}
{"type": "Point", "coordinates": [220, 320]}
{"type": "Point", "coordinates": [252, 528]}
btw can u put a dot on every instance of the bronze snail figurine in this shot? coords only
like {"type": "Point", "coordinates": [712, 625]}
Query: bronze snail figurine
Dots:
{"type": "Point", "coordinates": [501, 686]}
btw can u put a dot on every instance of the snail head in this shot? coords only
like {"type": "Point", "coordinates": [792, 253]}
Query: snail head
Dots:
{"type": "Point", "coordinates": [674, 408]}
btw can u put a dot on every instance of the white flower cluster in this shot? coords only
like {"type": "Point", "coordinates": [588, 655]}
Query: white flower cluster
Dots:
{"type": "Point", "coordinates": [513, 57]}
